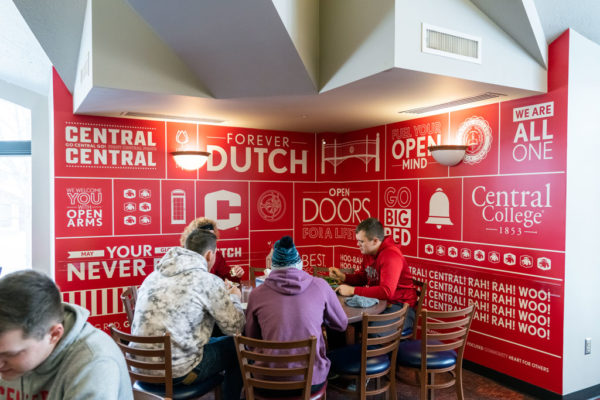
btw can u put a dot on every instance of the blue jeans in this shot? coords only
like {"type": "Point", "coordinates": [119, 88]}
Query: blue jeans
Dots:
{"type": "Point", "coordinates": [409, 320]}
{"type": "Point", "coordinates": [219, 355]}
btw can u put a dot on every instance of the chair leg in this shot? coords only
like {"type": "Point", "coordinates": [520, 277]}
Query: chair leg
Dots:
{"type": "Point", "coordinates": [218, 392]}
{"type": "Point", "coordinates": [392, 389]}
{"type": "Point", "coordinates": [459, 384]}
{"type": "Point", "coordinates": [431, 391]}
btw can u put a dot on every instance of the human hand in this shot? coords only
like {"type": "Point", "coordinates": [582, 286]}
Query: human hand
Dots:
{"type": "Point", "coordinates": [335, 273]}
{"type": "Point", "coordinates": [235, 290]}
{"type": "Point", "coordinates": [268, 259]}
{"type": "Point", "coordinates": [236, 271]}
{"type": "Point", "coordinates": [345, 290]}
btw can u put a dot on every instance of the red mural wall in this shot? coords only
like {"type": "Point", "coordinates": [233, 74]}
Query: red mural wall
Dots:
{"type": "Point", "coordinates": [490, 231]}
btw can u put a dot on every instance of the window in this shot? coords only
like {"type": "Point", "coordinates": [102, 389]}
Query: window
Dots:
{"type": "Point", "coordinates": [15, 187]}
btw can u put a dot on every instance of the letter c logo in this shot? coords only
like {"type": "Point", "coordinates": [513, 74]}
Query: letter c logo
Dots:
{"type": "Point", "coordinates": [210, 208]}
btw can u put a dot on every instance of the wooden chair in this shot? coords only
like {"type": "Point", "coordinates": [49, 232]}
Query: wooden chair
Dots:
{"type": "Point", "coordinates": [421, 288]}
{"type": "Point", "coordinates": [140, 395]}
{"type": "Point", "coordinates": [158, 359]}
{"type": "Point", "coordinates": [440, 349]}
{"type": "Point", "coordinates": [373, 359]}
{"type": "Point", "coordinates": [129, 297]}
{"type": "Point", "coordinates": [263, 364]}
{"type": "Point", "coordinates": [254, 272]}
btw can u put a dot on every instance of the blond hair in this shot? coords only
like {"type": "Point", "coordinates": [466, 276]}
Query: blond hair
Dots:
{"type": "Point", "coordinates": [195, 224]}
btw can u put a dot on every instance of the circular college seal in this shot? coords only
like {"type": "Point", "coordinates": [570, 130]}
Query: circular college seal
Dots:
{"type": "Point", "coordinates": [271, 205]}
{"type": "Point", "coordinates": [476, 133]}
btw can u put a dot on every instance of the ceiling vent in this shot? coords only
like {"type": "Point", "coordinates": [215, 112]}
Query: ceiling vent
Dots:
{"type": "Point", "coordinates": [453, 103]}
{"type": "Point", "coordinates": [171, 117]}
{"type": "Point", "coordinates": [448, 43]}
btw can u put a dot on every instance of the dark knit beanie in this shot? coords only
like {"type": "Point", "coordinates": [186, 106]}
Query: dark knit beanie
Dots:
{"type": "Point", "coordinates": [285, 254]}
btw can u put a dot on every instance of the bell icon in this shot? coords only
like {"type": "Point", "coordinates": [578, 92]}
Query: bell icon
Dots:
{"type": "Point", "coordinates": [439, 209]}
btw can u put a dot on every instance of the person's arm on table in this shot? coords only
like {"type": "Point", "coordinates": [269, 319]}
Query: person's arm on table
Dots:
{"type": "Point", "coordinates": [350, 280]}
{"type": "Point", "coordinates": [226, 309]}
{"type": "Point", "coordinates": [389, 274]}
{"type": "Point", "coordinates": [334, 316]}
{"type": "Point", "coordinates": [224, 271]}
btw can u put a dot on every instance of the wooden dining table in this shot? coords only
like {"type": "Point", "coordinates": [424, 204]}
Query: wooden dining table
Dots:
{"type": "Point", "coordinates": [355, 314]}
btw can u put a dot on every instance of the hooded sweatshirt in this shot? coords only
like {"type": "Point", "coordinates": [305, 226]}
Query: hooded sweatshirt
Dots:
{"type": "Point", "coordinates": [386, 276]}
{"type": "Point", "coordinates": [85, 364]}
{"type": "Point", "coordinates": [292, 305]}
{"type": "Point", "coordinates": [181, 297]}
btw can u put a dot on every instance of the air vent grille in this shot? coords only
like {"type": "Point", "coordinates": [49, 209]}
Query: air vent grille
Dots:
{"type": "Point", "coordinates": [453, 103]}
{"type": "Point", "coordinates": [448, 43]}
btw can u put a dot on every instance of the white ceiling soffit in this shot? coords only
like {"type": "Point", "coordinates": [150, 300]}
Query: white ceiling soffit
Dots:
{"type": "Point", "coordinates": [248, 65]}
{"type": "Point", "coordinates": [124, 53]}
{"type": "Point", "coordinates": [23, 61]}
{"type": "Point", "coordinates": [236, 48]}
{"type": "Point", "coordinates": [582, 15]}
{"type": "Point", "coordinates": [57, 26]}
{"type": "Point", "coordinates": [367, 102]}
{"type": "Point", "coordinates": [520, 20]}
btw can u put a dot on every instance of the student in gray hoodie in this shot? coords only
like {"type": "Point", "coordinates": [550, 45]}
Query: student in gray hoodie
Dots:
{"type": "Point", "coordinates": [293, 305]}
{"type": "Point", "coordinates": [47, 349]}
{"type": "Point", "coordinates": [181, 297]}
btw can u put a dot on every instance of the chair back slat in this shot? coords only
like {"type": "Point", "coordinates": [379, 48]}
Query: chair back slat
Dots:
{"type": "Point", "coordinates": [129, 298]}
{"type": "Point", "coordinates": [275, 371]}
{"type": "Point", "coordinates": [433, 348]}
{"type": "Point", "coordinates": [447, 324]}
{"type": "Point", "coordinates": [127, 344]}
{"type": "Point", "coordinates": [139, 351]}
{"type": "Point", "coordinates": [266, 364]}
{"type": "Point", "coordinates": [458, 334]}
{"type": "Point", "coordinates": [274, 385]}
{"type": "Point", "coordinates": [385, 342]}
{"type": "Point", "coordinates": [275, 358]}
{"type": "Point", "coordinates": [255, 271]}
{"type": "Point", "coordinates": [421, 289]}
{"type": "Point", "coordinates": [443, 331]}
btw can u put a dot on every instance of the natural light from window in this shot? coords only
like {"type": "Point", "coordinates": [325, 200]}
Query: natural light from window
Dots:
{"type": "Point", "coordinates": [15, 190]}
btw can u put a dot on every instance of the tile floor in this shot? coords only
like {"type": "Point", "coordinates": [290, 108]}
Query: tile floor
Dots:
{"type": "Point", "coordinates": [476, 387]}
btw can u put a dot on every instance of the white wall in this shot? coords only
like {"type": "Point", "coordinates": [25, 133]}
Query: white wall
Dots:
{"type": "Point", "coordinates": [504, 62]}
{"type": "Point", "coordinates": [582, 261]}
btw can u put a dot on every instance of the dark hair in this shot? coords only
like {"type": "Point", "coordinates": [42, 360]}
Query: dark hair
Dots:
{"type": "Point", "coordinates": [30, 301]}
{"type": "Point", "coordinates": [372, 229]}
{"type": "Point", "coordinates": [200, 240]}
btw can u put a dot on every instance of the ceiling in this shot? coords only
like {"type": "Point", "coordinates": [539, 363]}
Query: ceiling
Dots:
{"type": "Point", "coordinates": [300, 65]}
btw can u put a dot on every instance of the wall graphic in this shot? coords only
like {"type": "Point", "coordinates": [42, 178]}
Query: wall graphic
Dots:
{"type": "Point", "coordinates": [489, 231]}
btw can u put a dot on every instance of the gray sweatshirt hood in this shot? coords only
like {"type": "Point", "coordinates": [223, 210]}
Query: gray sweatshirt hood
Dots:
{"type": "Point", "coordinates": [290, 281]}
{"type": "Point", "coordinates": [179, 260]}
{"type": "Point", "coordinates": [74, 322]}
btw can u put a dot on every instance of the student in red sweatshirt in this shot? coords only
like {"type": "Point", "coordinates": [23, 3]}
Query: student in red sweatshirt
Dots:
{"type": "Point", "coordinates": [384, 275]}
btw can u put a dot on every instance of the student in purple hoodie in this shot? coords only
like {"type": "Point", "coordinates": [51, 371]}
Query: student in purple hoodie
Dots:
{"type": "Point", "coordinates": [293, 305]}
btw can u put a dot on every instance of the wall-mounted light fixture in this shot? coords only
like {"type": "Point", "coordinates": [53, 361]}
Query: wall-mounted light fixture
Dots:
{"type": "Point", "coordinates": [448, 154]}
{"type": "Point", "coordinates": [190, 160]}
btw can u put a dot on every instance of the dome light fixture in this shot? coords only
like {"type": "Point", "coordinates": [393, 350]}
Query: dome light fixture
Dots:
{"type": "Point", "coordinates": [448, 154]}
{"type": "Point", "coordinates": [189, 159]}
